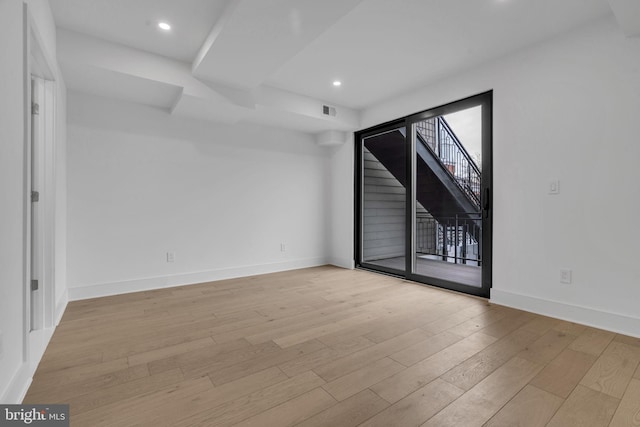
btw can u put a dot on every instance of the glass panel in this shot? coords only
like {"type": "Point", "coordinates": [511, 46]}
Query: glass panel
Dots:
{"type": "Point", "coordinates": [384, 199]}
{"type": "Point", "coordinates": [448, 220]}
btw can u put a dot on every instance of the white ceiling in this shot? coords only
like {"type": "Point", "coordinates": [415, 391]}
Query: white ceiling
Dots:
{"type": "Point", "coordinates": [135, 22]}
{"type": "Point", "coordinates": [387, 47]}
{"type": "Point", "coordinates": [627, 13]}
{"type": "Point", "coordinates": [273, 61]}
{"type": "Point", "coordinates": [257, 37]}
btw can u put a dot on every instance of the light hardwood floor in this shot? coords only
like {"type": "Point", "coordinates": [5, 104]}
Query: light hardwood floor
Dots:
{"type": "Point", "coordinates": [331, 347]}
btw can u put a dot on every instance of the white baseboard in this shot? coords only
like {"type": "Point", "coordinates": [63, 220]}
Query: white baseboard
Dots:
{"type": "Point", "coordinates": [614, 322]}
{"type": "Point", "coordinates": [18, 386]}
{"type": "Point", "coordinates": [61, 307]}
{"type": "Point", "coordinates": [343, 262]}
{"type": "Point", "coordinates": [150, 283]}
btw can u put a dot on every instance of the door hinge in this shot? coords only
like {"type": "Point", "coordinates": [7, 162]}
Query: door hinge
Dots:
{"type": "Point", "coordinates": [35, 196]}
{"type": "Point", "coordinates": [35, 108]}
{"type": "Point", "coordinates": [34, 285]}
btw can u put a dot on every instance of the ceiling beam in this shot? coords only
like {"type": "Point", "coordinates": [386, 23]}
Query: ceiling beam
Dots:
{"type": "Point", "coordinates": [107, 69]}
{"type": "Point", "coordinates": [254, 38]}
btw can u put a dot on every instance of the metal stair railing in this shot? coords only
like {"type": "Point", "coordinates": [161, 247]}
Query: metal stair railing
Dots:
{"type": "Point", "coordinates": [454, 238]}
{"type": "Point", "coordinates": [443, 142]}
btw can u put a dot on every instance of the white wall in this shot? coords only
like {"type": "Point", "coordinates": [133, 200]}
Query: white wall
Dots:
{"type": "Point", "coordinates": [567, 109]}
{"type": "Point", "coordinates": [223, 198]}
{"type": "Point", "coordinates": [43, 16]}
{"type": "Point", "coordinates": [55, 189]}
{"type": "Point", "coordinates": [17, 363]}
{"type": "Point", "coordinates": [341, 204]}
{"type": "Point", "coordinates": [12, 194]}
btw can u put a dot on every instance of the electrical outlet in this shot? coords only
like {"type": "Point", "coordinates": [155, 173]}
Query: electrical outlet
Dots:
{"type": "Point", "coordinates": [565, 276]}
{"type": "Point", "coordinates": [171, 256]}
{"type": "Point", "coordinates": [283, 248]}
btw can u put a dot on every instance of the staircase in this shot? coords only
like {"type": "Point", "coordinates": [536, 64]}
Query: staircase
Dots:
{"type": "Point", "coordinates": [446, 146]}
{"type": "Point", "coordinates": [448, 185]}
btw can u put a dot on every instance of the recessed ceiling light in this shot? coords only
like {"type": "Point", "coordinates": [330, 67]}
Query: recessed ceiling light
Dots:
{"type": "Point", "coordinates": [164, 26]}
{"type": "Point", "coordinates": [337, 83]}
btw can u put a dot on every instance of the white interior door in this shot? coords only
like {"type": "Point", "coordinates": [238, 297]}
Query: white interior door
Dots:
{"type": "Point", "coordinates": [37, 240]}
{"type": "Point", "coordinates": [40, 185]}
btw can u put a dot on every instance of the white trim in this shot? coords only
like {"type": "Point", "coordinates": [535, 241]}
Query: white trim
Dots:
{"type": "Point", "coordinates": [343, 263]}
{"type": "Point", "coordinates": [35, 60]}
{"type": "Point", "coordinates": [41, 64]}
{"type": "Point", "coordinates": [17, 388]}
{"type": "Point", "coordinates": [49, 185]}
{"type": "Point", "coordinates": [614, 322]}
{"type": "Point", "coordinates": [61, 306]}
{"type": "Point", "coordinates": [145, 284]}
{"type": "Point", "coordinates": [26, 225]}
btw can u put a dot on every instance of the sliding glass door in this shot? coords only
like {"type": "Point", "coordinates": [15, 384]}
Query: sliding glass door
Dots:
{"type": "Point", "coordinates": [424, 196]}
{"type": "Point", "coordinates": [384, 195]}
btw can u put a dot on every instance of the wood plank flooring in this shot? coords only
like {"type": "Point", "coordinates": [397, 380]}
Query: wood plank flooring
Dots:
{"type": "Point", "coordinates": [331, 347]}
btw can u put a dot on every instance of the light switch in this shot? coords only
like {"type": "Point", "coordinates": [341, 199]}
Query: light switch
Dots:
{"type": "Point", "coordinates": [554, 187]}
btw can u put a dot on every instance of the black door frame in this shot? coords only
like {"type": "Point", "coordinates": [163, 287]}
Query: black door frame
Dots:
{"type": "Point", "coordinates": [486, 101]}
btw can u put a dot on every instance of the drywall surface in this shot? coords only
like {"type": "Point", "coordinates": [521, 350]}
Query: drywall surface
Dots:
{"type": "Point", "coordinates": [341, 205]}
{"type": "Point", "coordinates": [225, 200]}
{"type": "Point", "coordinates": [564, 110]}
{"type": "Point", "coordinates": [17, 360]}
{"type": "Point", "coordinates": [12, 163]}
